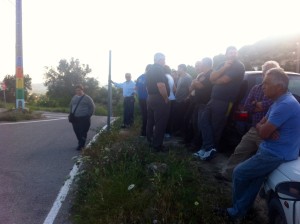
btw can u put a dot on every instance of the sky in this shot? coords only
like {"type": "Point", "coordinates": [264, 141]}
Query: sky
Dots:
{"type": "Point", "coordinates": [134, 30]}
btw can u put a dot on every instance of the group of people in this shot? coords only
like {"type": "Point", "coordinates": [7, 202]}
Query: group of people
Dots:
{"type": "Point", "coordinates": [172, 103]}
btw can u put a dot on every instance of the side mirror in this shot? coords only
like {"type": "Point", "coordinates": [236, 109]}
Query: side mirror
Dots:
{"type": "Point", "coordinates": [288, 191]}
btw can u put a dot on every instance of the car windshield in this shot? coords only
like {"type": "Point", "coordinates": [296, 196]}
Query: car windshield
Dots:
{"type": "Point", "coordinates": [294, 85]}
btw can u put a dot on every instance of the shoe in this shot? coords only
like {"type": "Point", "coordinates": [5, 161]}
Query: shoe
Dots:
{"type": "Point", "coordinates": [208, 155]}
{"type": "Point", "coordinates": [200, 153]}
{"type": "Point", "coordinates": [161, 148]}
{"type": "Point", "coordinates": [221, 177]}
{"type": "Point", "coordinates": [123, 126]}
{"type": "Point", "coordinates": [79, 148]}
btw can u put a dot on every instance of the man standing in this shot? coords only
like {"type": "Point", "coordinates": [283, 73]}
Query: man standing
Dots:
{"type": "Point", "coordinates": [280, 131]}
{"type": "Point", "coordinates": [181, 100]}
{"type": "Point", "coordinates": [83, 107]}
{"type": "Point", "coordinates": [157, 103]}
{"type": "Point", "coordinates": [226, 80]}
{"type": "Point", "coordinates": [257, 105]}
{"type": "Point", "coordinates": [128, 103]}
{"type": "Point", "coordinates": [142, 97]}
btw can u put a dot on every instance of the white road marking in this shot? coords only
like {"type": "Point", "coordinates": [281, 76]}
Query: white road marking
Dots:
{"type": "Point", "coordinates": [65, 189]}
{"type": "Point", "coordinates": [27, 122]}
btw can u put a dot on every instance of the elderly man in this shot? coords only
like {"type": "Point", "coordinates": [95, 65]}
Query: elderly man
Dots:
{"type": "Point", "coordinates": [280, 131]}
{"type": "Point", "coordinates": [158, 105]}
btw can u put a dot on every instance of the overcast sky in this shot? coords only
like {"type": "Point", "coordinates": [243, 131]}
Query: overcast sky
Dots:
{"type": "Point", "coordinates": [185, 31]}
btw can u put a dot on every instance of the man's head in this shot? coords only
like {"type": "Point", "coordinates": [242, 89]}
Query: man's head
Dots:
{"type": "Point", "coordinates": [181, 69]}
{"type": "Point", "coordinates": [198, 67]}
{"type": "Point", "coordinates": [159, 58]}
{"type": "Point", "coordinates": [275, 83]}
{"type": "Point", "coordinates": [231, 53]}
{"type": "Point", "coordinates": [207, 64]}
{"type": "Point", "coordinates": [128, 77]}
{"type": "Point", "coordinates": [79, 90]}
{"type": "Point", "coordinates": [268, 65]}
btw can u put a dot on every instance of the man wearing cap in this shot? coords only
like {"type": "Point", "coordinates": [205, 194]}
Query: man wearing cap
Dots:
{"type": "Point", "coordinates": [158, 105]}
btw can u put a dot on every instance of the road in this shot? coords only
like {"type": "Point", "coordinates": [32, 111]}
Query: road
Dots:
{"type": "Point", "coordinates": [35, 160]}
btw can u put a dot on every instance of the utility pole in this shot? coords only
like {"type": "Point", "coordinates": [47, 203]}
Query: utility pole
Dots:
{"type": "Point", "coordinates": [20, 102]}
{"type": "Point", "coordinates": [109, 109]}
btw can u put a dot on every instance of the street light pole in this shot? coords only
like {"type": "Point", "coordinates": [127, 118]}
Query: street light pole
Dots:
{"type": "Point", "coordinates": [297, 61]}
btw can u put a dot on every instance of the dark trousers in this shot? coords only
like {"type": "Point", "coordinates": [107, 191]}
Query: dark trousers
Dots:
{"type": "Point", "coordinates": [170, 120]}
{"type": "Point", "coordinates": [143, 108]}
{"type": "Point", "coordinates": [213, 121]}
{"type": "Point", "coordinates": [128, 110]}
{"type": "Point", "coordinates": [157, 114]}
{"type": "Point", "coordinates": [81, 127]}
{"type": "Point", "coordinates": [178, 117]}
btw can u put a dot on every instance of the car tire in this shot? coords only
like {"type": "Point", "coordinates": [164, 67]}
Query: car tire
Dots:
{"type": "Point", "coordinates": [276, 213]}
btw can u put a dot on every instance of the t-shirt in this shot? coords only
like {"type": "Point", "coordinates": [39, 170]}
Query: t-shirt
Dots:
{"type": "Point", "coordinates": [285, 115]}
{"type": "Point", "coordinates": [229, 91]}
{"type": "Point", "coordinates": [141, 87]}
{"type": "Point", "coordinates": [203, 95]}
{"type": "Point", "coordinates": [183, 85]}
{"type": "Point", "coordinates": [154, 75]}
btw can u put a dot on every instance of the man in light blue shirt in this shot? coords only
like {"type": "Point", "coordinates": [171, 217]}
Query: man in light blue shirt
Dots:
{"type": "Point", "coordinates": [128, 94]}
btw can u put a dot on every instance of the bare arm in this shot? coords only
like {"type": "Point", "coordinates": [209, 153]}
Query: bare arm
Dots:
{"type": "Point", "coordinates": [163, 91]}
{"type": "Point", "coordinates": [266, 130]}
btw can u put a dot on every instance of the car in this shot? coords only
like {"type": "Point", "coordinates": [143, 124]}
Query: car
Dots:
{"type": "Point", "coordinates": [239, 121]}
{"type": "Point", "coordinates": [281, 190]}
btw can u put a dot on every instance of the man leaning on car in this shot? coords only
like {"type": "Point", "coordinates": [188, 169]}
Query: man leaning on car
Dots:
{"type": "Point", "coordinates": [257, 104]}
{"type": "Point", "coordinates": [280, 131]}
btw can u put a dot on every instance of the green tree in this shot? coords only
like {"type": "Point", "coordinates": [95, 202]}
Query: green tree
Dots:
{"type": "Point", "coordinates": [60, 82]}
{"type": "Point", "coordinates": [10, 82]}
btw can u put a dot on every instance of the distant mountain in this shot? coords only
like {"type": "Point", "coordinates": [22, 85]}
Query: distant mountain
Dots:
{"type": "Point", "coordinates": [38, 88]}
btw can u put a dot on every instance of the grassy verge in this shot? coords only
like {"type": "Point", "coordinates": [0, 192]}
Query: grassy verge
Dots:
{"type": "Point", "coordinates": [123, 182]}
{"type": "Point", "coordinates": [19, 115]}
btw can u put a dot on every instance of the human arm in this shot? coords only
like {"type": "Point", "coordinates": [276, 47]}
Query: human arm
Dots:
{"type": "Point", "coordinates": [267, 130]}
{"type": "Point", "coordinates": [163, 91]}
{"type": "Point", "coordinates": [218, 77]}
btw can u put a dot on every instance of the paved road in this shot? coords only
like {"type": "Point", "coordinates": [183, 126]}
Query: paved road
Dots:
{"type": "Point", "coordinates": [35, 160]}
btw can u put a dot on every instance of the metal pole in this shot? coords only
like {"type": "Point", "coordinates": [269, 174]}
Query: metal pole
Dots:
{"type": "Point", "coordinates": [297, 62]}
{"type": "Point", "coordinates": [109, 109]}
{"type": "Point", "coordinates": [20, 102]}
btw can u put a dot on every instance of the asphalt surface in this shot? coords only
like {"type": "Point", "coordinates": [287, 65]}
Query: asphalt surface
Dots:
{"type": "Point", "coordinates": [35, 160]}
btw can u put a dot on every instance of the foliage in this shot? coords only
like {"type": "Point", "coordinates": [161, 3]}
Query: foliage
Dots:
{"type": "Point", "coordinates": [115, 184]}
{"type": "Point", "coordinates": [10, 82]}
{"type": "Point", "coordinates": [19, 115]}
{"type": "Point", "coordinates": [60, 82]}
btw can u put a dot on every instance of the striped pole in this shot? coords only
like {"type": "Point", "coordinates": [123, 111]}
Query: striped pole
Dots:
{"type": "Point", "coordinates": [20, 102]}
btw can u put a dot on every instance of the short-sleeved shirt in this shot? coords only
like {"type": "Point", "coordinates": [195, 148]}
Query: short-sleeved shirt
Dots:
{"type": "Point", "coordinates": [285, 115]}
{"type": "Point", "coordinates": [141, 87]}
{"type": "Point", "coordinates": [203, 95]}
{"type": "Point", "coordinates": [156, 74]}
{"type": "Point", "coordinates": [229, 91]}
{"type": "Point", "coordinates": [183, 85]}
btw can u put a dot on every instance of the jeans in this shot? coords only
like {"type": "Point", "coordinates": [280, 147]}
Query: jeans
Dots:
{"type": "Point", "coordinates": [248, 178]}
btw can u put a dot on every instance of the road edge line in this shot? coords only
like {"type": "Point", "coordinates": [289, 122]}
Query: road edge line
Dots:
{"type": "Point", "coordinates": [63, 192]}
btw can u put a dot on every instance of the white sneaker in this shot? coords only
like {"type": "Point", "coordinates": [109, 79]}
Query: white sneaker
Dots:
{"type": "Point", "coordinates": [208, 155]}
{"type": "Point", "coordinates": [200, 153]}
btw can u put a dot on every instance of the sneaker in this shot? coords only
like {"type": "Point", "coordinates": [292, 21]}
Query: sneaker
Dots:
{"type": "Point", "coordinates": [208, 155]}
{"type": "Point", "coordinates": [200, 153]}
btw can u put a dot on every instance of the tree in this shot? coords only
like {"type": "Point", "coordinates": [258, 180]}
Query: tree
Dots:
{"type": "Point", "coordinates": [10, 82]}
{"type": "Point", "coordinates": [60, 82]}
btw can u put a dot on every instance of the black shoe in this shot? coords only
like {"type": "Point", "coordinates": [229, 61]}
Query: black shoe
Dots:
{"type": "Point", "coordinates": [123, 126]}
{"type": "Point", "coordinates": [79, 148]}
{"type": "Point", "coordinates": [161, 148]}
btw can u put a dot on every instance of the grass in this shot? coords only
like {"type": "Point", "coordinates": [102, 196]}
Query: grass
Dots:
{"type": "Point", "coordinates": [19, 115]}
{"type": "Point", "coordinates": [123, 182]}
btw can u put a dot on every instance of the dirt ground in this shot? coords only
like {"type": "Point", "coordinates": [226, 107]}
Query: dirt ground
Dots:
{"type": "Point", "coordinates": [213, 167]}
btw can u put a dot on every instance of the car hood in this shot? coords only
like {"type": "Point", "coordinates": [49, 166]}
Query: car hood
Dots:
{"type": "Point", "coordinates": [291, 169]}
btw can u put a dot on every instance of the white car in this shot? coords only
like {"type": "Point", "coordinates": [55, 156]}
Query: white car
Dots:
{"type": "Point", "coordinates": [282, 192]}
